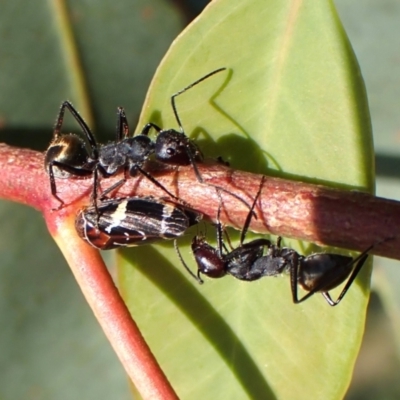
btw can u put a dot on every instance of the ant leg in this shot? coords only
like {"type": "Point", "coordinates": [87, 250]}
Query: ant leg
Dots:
{"type": "Point", "coordinates": [193, 162]}
{"type": "Point", "coordinates": [237, 197]}
{"type": "Point", "coordinates": [361, 260]}
{"type": "Point", "coordinates": [158, 184]}
{"type": "Point", "coordinates": [53, 186]}
{"type": "Point", "coordinates": [86, 130]}
{"type": "Point", "coordinates": [66, 168]}
{"type": "Point", "coordinates": [219, 226]}
{"type": "Point", "coordinates": [229, 242]}
{"type": "Point", "coordinates": [294, 272]}
{"type": "Point", "coordinates": [94, 193]}
{"type": "Point", "coordinates": [122, 125]}
{"type": "Point", "coordinates": [115, 185]}
{"type": "Point", "coordinates": [111, 188]}
{"type": "Point", "coordinates": [196, 277]}
{"type": "Point", "coordinates": [251, 212]}
{"type": "Point", "coordinates": [147, 127]}
{"type": "Point", "coordinates": [228, 239]}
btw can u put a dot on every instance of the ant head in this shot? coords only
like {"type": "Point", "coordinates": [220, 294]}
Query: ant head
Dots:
{"type": "Point", "coordinates": [173, 147]}
{"type": "Point", "coordinates": [208, 260]}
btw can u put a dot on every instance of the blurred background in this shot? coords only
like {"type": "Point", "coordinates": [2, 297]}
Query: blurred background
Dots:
{"type": "Point", "coordinates": [46, 327]}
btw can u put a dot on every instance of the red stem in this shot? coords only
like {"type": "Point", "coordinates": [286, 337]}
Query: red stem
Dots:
{"type": "Point", "coordinates": [319, 214]}
{"type": "Point", "coordinates": [113, 315]}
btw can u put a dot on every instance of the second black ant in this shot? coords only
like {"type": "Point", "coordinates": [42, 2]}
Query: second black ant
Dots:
{"type": "Point", "coordinates": [320, 272]}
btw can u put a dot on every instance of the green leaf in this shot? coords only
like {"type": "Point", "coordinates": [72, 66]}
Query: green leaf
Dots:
{"type": "Point", "coordinates": [292, 104]}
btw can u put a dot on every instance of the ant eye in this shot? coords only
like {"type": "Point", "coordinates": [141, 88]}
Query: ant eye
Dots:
{"type": "Point", "coordinates": [171, 151]}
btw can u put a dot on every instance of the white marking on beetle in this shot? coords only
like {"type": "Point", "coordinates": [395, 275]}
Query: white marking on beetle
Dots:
{"type": "Point", "coordinates": [118, 216]}
{"type": "Point", "coordinates": [167, 212]}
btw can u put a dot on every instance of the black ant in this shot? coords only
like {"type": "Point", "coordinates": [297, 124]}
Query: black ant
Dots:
{"type": "Point", "coordinates": [320, 272]}
{"type": "Point", "coordinates": [68, 155]}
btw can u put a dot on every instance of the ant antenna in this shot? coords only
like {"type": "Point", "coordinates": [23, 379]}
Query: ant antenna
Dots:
{"type": "Point", "coordinates": [189, 152]}
{"type": "Point", "coordinates": [187, 88]}
{"type": "Point", "coordinates": [197, 278]}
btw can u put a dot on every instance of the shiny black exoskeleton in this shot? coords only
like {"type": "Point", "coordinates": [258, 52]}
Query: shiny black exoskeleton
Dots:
{"type": "Point", "coordinates": [216, 262]}
{"type": "Point", "coordinates": [174, 147]}
{"type": "Point", "coordinates": [68, 154]}
{"type": "Point", "coordinates": [320, 272]}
